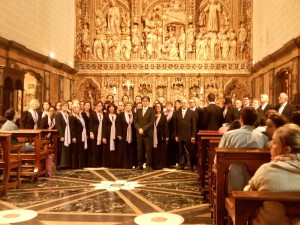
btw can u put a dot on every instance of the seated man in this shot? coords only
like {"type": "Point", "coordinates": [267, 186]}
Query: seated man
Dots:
{"type": "Point", "coordinates": [11, 117]}
{"type": "Point", "coordinates": [244, 137]}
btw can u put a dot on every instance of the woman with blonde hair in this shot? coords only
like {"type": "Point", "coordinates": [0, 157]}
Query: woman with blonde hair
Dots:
{"type": "Point", "coordinates": [282, 174]}
{"type": "Point", "coordinates": [30, 118]}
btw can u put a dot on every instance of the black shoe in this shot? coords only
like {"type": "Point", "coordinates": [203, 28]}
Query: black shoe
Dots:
{"type": "Point", "coordinates": [149, 168]}
{"type": "Point", "coordinates": [139, 168]}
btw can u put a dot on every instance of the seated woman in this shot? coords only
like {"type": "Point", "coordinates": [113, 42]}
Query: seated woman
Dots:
{"type": "Point", "coordinates": [273, 122]}
{"type": "Point", "coordinates": [282, 174]}
{"type": "Point", "coordinates": [10, 124]}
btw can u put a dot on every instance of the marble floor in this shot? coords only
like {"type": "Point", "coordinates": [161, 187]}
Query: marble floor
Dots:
{"type": "Point", "coordinates": [108, 197]}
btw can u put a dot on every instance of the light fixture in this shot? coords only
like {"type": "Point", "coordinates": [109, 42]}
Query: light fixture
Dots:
{"type": "Point", "coordinates": [52, 55]}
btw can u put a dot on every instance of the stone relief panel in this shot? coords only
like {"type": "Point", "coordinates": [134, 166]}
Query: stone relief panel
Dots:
{"type": "Point", "coordinates": [162, 87]}
{"type": "Point", "coordinates": [163, 30]}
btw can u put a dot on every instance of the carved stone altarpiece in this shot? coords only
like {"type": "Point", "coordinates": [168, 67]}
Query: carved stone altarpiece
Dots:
{"type": "Point", "coordinates": [167, 49]}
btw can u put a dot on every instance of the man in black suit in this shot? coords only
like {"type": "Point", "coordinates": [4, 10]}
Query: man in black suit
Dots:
{"type": "Point", "coordinates": [185, 131]}
{"type": "Point", "coordinates": [144, 124]}
{"type": "Point", "coordinates": [265, 106]}
{"type": "Point", "coordinates": [284, 107]}
{"type": "Point", "coordinates": [213, 115]}
{"type": "Point", "coordinates": [198, 113]}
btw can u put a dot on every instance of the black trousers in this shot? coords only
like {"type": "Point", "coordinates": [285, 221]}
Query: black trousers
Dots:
{"type": "Point", "coordinates": [144, 145]}
{"type": "Point", "coordinates": [187, 154]}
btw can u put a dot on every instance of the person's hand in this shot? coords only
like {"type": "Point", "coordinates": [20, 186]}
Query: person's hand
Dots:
{"type": "Point", "coordinates": [104, 141]}
{"type": "Point", "coordinates": [167, 139]}
{"type": "Point", "coordinates": [193, 140]}
{"type": "Point", "coordinates": [141, 131]}
{"type": "Point", "coordinates": [177, 139]}
{"type": "Point", "coordinates": [120, 138]}
{"type": "Point", "coordinates": [62, 139]}
{"type": "Point", "coordinates": [92, 135]}
{"type": "Point", "coordinates": [74, 140]}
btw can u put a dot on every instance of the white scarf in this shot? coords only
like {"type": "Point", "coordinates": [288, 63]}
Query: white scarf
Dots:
{"type": "Point", "coordinates": [35, 117]}
{"type": "Point", "coordinates": [51, 124]}
{"type": "Point", "coordinates": [44, 114]}
{"type": "Point", "coordinates": [100, 118]}
{"type": "Point", "coordinates": [67, 141]}
{"type": "Point", "coordinates": [129, 130]}
{"type": "Point", "coordinates": [83, 136]}
{"type": "Point", "coordinates": [112, 118]}
{"type": "Point", "coordinates": [155, 141]}
{"type": "Point", "coordinates": [169, 115]}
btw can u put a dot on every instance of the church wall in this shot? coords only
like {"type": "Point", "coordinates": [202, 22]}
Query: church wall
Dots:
{"type": "Point", "coordinates": [46, 76]}
{"type": "Point", "coordinates": [42, 26]}
{"type": "Point", "coordinates": [279, 72]}
{"type": "Point", "coordinates": [276, 22]}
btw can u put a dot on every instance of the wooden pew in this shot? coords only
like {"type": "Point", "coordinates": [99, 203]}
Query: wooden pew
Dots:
{"type": "Point", "coordinates": [54, 145]}
{"type": "Point", "coordinates": [253, 158]}
{"type": "Point", "coordinates": [242, 206]}
{"type": "Point", "coordinates": [213, 144]}
{"type": "Point", "coordinates": [31, 161]}
{"type": "Point", "coordinates": [203, 138]}
{"type": "Point", "coordinates": [8, 163]}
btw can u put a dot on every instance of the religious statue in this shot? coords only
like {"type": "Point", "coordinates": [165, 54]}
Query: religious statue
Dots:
{"type": "Point", "coordinates": [242, 33]}
{"type": "Point", "coordinates": [190, 39]}
{"type": "Point", "coordinates": [181, 43]}
{"type": "Point", "coordinates": [113, 18]}
{"type": "Point", "coordinates": [212, 9]}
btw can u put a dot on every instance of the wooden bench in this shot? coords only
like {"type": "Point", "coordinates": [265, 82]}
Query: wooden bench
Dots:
{"type": "Point", "coordinates": [203, 145]}
{"type": "Point", "coordinates": [53, 143]}
{"type": "Point", "coordinates": [9, 163]}
{"type": "Point", "coordinates": [213, 144]}
{"type": "Point", "coordinates": [253, 158]}
{"type": "Point", "coordinates": [31, 161]}
{"type": "Point", "coordinates": [243, 205]}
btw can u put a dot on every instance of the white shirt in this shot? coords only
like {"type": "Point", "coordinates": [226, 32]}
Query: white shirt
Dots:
{"type": "Point", "coordinates": [282, 108]}
{"type": "Point", "coordinates": [183, 112]}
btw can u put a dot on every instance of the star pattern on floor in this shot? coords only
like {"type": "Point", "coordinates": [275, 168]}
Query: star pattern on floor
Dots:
{"type": "Point", "coordinates": [70, 197]}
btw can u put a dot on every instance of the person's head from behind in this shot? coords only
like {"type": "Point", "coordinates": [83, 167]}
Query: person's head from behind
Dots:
{"type": "Point", "coordinates": [248, 116]}
{"type": "Point", "coordinates": [10, 114]}
{"type": "Point", "coordinates": [286, 139]}
{"type": "Point", "coordinates": [296, 117]}
{"type": "Point", "coordinates": [269, 113]}
{"type": "Point", "coordinates": [211, 97]}
{"type": "Point", "coordinates": [236, 124]}
{"type": "Point", "coordinates": [227, 100]}
{"type": "Point", "coordinates": [275, 121]}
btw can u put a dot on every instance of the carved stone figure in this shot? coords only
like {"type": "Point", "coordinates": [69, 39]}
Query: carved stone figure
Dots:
{"type": "Point", "coordinates": [181, 43]}
{"type": "Point", "coordinates": [213, 21]}
{"type": "Point", "coordinates": [113, 18]}
{"type": "Point", "coordinates": [126, 48]}
{"type": "Point", "coordinates": [173, 53]}
{"type": "Point", "coordinates": [190, 39]}
{"type": "Point", "coordinates": [242, 33]}
{"type": "Point", "coordinates": [136, 35]}
{"type": "Point", "coordinates": [85, 41]}
{"type": "Point", "coordinates": [150, 41]}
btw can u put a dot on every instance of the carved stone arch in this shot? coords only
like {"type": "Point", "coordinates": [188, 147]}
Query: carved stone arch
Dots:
{"type": "Point", "coordinates": [19, 85]}
{"type": "Point", "coordinates": [36, 90]}
{"type": "Point", "coordinates": [282, 82]}
{"type": "Point", "coordinates": [122, 4]}
{"type": "Point", "coordinates": [89, 90]}
{"type": "Point", "coordinates": [236, 86]}
{"type": "Point", "coordinates": [154, 4]}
